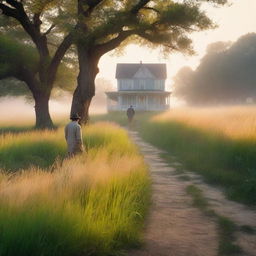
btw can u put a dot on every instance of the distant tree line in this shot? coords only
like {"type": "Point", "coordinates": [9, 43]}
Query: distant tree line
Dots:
{"type": "Point", "coordinates": [226, 74]}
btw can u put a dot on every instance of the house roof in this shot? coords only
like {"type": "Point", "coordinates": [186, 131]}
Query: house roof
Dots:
{"type": "Point", "coordinates": [128, 70]}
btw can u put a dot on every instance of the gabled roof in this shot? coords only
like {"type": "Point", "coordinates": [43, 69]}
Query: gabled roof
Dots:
{"type": "Point", "coordinates": [128, 70]}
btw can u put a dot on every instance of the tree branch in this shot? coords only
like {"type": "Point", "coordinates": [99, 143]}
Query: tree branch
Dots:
{"type": "Point", "coordinates": [15, 4]}
{"type": "Point", "coordinates": [32, 29]}
{"type": "Point", "coordinates": [20, 15]}
{"type": "Point", "coordinates": [48, 31]}
{"type": "Point", "coordinates": [58, 56]}
{"type": "Point", "coordinates": [37, 22]}
{"type": "Point", "coordinates": [151, 8]}
{"type": "Point", "coordinates": [92, 4]}
{"type": "Point", "coordinates": [138, 6]}
{"type": "Point", "coordinates": [8, 11]}
{"type": "Point", "coordinates": [101, 49]}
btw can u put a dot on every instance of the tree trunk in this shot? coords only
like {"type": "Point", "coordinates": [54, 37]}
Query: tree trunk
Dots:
{"type": "Point", "coordinates": [85, 90]}
{"type": "Point", "coordinates": [43, 118]}
{"type": "Point", "coordinates": [41, 95]}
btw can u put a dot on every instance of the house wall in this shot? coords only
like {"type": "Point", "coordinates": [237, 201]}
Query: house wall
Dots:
{"type": "Point", "coordinates": [143, 102]}
{"type": "Point", "coordinates": [140, 84]}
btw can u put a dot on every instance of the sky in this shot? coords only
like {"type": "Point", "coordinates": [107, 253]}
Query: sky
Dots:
{"type": "Point", "coordinates": [233, 21]}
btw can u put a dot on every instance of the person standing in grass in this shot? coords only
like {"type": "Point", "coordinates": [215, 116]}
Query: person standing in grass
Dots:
{"type": "Point", "coordinates": [130, 114]}
{"type": "Point", "coordinates": [73, 135]}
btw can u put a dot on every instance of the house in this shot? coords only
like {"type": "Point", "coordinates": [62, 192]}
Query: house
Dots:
{"type": "Point", "coordinates": [140, 85]}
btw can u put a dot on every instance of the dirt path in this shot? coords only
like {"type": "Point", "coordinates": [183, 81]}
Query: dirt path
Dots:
{"type": "Point", "coordinates": [175, 227]}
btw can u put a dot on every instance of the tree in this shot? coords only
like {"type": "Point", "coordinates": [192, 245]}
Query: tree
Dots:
{"type": "Point", "coordinates": [15, 55]}
{"type": "Point", "coordinates": [95, 27]}
{"type": "Point", "coordinates": [226, 74]}
{"type": "Point", "coordinates": [104, 25]}
{"type": "Point", "coordinates": [38, 22]}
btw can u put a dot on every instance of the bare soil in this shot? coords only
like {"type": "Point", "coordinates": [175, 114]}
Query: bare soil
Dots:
{"type": "Point", "coordinates": [175, 227]}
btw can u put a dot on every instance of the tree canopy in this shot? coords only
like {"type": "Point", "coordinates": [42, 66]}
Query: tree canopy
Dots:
{"type": "Point", "coordinates": [40, 25]}
{"type": "Point", "coordinates": [15, 56]}
{"type": "Point", "coordinates": [152, 22]}
{"type": "Point", "coordinates": [226, 74]}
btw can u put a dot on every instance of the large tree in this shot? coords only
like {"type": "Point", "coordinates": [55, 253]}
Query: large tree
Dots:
{"type": "Point", "coordinates": [104, 25]}
{"type": "Point", "coordinates": [15, 56]}
{"type": "Point", "coordinates": [38, 19]}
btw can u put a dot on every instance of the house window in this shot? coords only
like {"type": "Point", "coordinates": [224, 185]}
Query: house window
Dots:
{"type": "Point", "coordinates": [159, 85]}
{"type": "Point", "coordinates": [140, 84]}
{"type": "Point", "coordinates": [126, 84]}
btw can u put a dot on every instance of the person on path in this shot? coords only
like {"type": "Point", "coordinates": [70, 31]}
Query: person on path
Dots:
{"type": "Point", "coordinates": [130, 114]}
{"type": "Point", "coordinates": [73, 135]}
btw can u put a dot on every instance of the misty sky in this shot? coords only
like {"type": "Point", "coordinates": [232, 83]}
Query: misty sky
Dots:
{"type": "Point", "coordinates": [233, 21]}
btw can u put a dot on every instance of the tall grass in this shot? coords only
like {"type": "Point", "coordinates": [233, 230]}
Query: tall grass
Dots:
{"type": "Point", "coordinates": [235, 122]}
{"type": "Point", "coordinates": [41, 148]}
{"type": "Point", "coordinates": [93, 204]}
{"type": "Point", "coordinates": [218, 143]}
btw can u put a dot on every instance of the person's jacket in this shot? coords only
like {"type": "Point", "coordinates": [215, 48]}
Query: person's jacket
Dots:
{"type": "Point", "coordinates": [73, 135]}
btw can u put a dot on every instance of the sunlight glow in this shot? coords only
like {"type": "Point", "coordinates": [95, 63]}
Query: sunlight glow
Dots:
{"type": "Point", "coordinates": [233, 21]}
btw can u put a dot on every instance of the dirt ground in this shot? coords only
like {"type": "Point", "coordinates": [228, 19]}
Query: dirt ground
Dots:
{"type": "Point", "coordinates": [175, 227]}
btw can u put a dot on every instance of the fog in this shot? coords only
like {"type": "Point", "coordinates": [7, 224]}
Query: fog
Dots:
{"type": "Point", "coordinates": [20, 110]}
{"type": "Point", "coordinates": [226, 75]}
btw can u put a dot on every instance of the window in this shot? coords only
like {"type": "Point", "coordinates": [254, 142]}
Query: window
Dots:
{"type": "Point", "coordinates": [126, 84]}
{"type": "Point", "coordinates": [159, 85]}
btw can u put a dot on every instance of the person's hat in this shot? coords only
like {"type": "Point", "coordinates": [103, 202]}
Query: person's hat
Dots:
{"type": "Point", "coordinates": [75, 116]}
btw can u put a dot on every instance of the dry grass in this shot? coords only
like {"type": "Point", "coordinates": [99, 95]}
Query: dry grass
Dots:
{"type": "Point", "coordinates": [92, 204]}
{"type": "Point", "coordinates": [234, 122]}
{"type": "Point", "coordinates": [68, 177]}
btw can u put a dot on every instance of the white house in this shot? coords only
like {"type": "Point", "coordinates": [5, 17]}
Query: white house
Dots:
{"type": "Point", "coordinates": [140, 85]}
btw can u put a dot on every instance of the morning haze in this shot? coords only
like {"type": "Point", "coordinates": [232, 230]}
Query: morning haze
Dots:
{"type": "Point", "coordinates": [127, 127]}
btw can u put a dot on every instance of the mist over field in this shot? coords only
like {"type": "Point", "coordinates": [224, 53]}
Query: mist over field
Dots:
{"type": "Point", "coordinates": [20, 110]}
{"type": "Point", "coordinates": [127, 128]}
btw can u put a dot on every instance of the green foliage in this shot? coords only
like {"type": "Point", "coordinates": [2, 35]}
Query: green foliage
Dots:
{"type": "Point", "coordinates": [199, 200]}
{"type": "Point", "coordinates": [14, 55]}
{"type": "Point", "coordinates": [227, 229]}
{"type": "Point", "coordinates": [158, 23]}
{"type": "Point", "coordinates": [65, 78]}
{"type": "Point", "coordinates": [229, 72]}
{"type": "Point", "coordinates": [13, 87]}
{"type": "Point", "coordinates": [110, 221]}
{"type": "Point", "coordinates": [19, 152]}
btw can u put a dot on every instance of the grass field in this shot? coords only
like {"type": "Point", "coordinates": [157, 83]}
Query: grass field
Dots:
{"type": "Point", "coordinates": [93, 204]}
{"type": "Point", "coordinates": [218, 143]}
